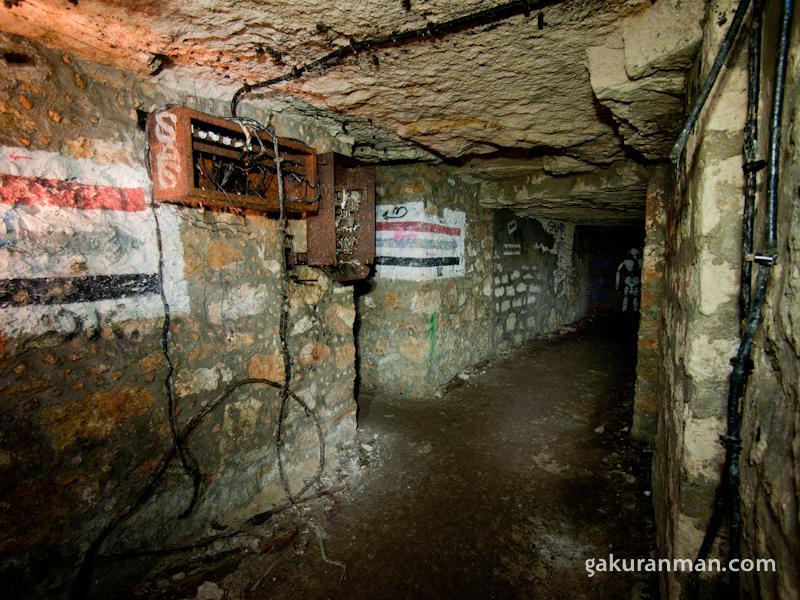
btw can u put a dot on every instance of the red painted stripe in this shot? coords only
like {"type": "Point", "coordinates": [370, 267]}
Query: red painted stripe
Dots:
{"type": "Point", "coordinates": [15, 189]}
{"type": "Point", "coordinates": [419, 226]}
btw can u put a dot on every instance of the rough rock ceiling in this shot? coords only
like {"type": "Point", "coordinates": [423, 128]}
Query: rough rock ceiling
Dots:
{"type": "Point", "coordinates": [609, 196]}
{"type": "Point", "coordinates": [581, 87]}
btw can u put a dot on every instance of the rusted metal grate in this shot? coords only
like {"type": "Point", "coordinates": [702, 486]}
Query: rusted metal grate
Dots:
{"type": "Point", "coordinates": [341, 236]}
{"type": "Point", "coordinates": [203, 160]}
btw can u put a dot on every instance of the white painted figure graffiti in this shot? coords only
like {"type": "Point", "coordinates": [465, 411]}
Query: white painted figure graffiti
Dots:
{"type": "Point", "coordinates": [630, 271]}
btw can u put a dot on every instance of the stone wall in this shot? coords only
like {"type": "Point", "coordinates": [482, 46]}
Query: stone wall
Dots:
{"type": "Point", "coordinates": [82, 372]}
{"type": "Point", "coordinates": [419, 326]}
{"type": "Point", "coordinates": [771, 427]}
{"type": "Point", "coordinates": [699, 336]}
{"type": "Point", "coordinates": [540, 278]}
{"type": "Point", "coordinates": [648, 350]}
{"type": "Point", "coordinates": [515, 277]}
{"type": "Point", "coordinates": [700, 311]}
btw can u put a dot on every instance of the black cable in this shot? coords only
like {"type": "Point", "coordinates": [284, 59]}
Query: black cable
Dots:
{"type": "Point", "coordinates": [750, 162]}
{"type": "Point", "coordinates": [429, 31]}
{"type": "Point", "coordinates": [283, 324]}
{"type": "Point", "coordinates": [187, 460]}
{"type": "Point", "coordinates": [728, 495]}
{"type": "Point", "coordinates": [775, 126]}
{"type": "Point", "coordinates": [711, 78]}
{"type": "Point", "coordinates": [82, 585]}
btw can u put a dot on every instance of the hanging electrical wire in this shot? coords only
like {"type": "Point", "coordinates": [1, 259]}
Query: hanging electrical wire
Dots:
{"type": "Point", "coordinates": [727, 498]}
{"type": "Point", "coordinates": [471, 20]}
{"type": "Point", "coordinates": [751, 165]}
{"type": "Point", "coordinates": [83, 582]}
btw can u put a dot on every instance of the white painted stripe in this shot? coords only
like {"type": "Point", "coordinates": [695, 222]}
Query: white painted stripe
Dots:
{"type": "Point", "coordinates": [53, 241]}
{"type": "Point", "coordinates": [23, 321]}
{"type": "Point", "coordinates": [49, 165]}
{"type": "Point", "coordinates": [392, 243]}
{"type": "Point", "coordinates": [418, 252]}
{"type": "Point", "coordinates": [418, 273]}
{"type": "Point", "coordinates": [35, 320]}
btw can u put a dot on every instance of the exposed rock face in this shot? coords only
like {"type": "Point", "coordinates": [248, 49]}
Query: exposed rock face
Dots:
{"type": "Point", "coordinates": [611, 195]}
{"type": "Point", "coordinates": [577, 84]}
{"type": "Point", "coordinates": [511, 86]}
{"type": "Point", "coordinates": [508, 85]}
{"type": "Point", "coordinates": [700, 333]}
{"type": "Point", "coordinates": [520, 278]}
{"type": "Point", "coordinates": [639, 73]}
{"type": "Point", "coordinates": [82, 371]}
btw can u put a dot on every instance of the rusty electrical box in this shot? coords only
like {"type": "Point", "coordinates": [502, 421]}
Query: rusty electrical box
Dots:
{"type": "Point", "coordinates": [202, 160]}
{"type": "Point", "coordinates": [341, 236]}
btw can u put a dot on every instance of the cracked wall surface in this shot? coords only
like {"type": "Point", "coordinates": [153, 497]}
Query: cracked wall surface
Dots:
{"type": "Point", "coordinates": [580, 82]}
{"type": "Point", "coordinates": [579, 87]}
{"type": "Point", "coordinates": [608, 196]}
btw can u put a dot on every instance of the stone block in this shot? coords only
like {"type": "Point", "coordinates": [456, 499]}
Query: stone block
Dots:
{"type": "Point", "coordinates": [267, 366]}
{"type": "Point", "coordinates": [95, 416]}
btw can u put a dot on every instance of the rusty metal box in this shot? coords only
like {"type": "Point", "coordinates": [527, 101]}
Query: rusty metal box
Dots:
{"type": "Point", "coordinates": [203, 160]}
{"type": "Point", "coordinates": [341, 236]}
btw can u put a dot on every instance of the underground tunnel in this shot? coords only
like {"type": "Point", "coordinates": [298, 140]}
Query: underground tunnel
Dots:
{"type": "Point", "coordinates": [399, 299]}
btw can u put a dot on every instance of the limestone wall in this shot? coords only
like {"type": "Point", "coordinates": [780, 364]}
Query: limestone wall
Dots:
{"type": "Point", "coordinates": [771, 428]}
{"type": "Point", "coordinates": [456, 282]}
{"type": "Point", "coordinates": [645, 409]}
{"type": "Point", "coordinates": [82, 372]}
{"type": "Point", "coordinates": [540, 278]}
{"type": "Point", "coordinates": [700, 312]}
{"type": "Point", "coordinates": [420, 323]}
{"type": "Point", "coordinates": [699, 336]}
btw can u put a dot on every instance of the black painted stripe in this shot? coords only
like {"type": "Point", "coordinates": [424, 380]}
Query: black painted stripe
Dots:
{"type": "Point", "coordinates": [64, 290]}
{"type": "Point", "coordinates": [407, 261]}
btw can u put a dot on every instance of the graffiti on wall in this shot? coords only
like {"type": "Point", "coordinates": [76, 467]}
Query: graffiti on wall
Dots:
{"type": "Point", "coordinates": [629, 274]}
{"type": "Point", "coordinates": [168, 166]}
{"type": "Point", "coordinates": [78, 242]}
{"type": "Point", "coordinates": [413, 245]}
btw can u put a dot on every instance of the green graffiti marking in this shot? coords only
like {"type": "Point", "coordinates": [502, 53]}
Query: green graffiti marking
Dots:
{"type": "Point", "coordinates": [432, 322]}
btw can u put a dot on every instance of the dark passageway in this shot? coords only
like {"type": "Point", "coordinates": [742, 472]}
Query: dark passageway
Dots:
{"type": "Point", "coordinates": [499, 489]}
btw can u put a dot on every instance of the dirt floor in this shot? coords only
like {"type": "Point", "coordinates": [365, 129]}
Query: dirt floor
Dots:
{"type": "Point", "coordinates": [501, 488]}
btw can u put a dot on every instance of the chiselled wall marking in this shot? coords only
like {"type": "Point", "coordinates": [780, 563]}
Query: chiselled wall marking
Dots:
{"type": "Point", "coordinates": [413, 245]}
{"type": "Point", "coordinates": [78, 242]}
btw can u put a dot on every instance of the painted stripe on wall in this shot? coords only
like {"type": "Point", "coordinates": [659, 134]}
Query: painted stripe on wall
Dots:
{"type": "Point", "coordinates": [429, 244]}
{"type": "Point", "coordinates": [66, 290]}
{"type": "Point", "coordinates": [53, 241]}
{"type": "Point", "coordinates": [418, 226]}
{"type": "Point", "coordinates": [49, 165]}
{"type": "Point", "coordinates": [86, 217]}
{"type": "Point", "coordinates": [408, 261]}
{"type": "Point", "coordinates": [26, 191]}
{"type": "Point", "coordinates": [414, 245]}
